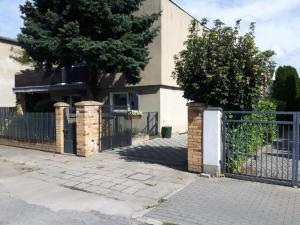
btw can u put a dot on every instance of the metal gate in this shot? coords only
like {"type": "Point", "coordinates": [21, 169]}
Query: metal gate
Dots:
{"type": "Point", "coordinates": [262, 146]}
{"type": "Point", "coordinates": [70, 131]}
{"type": "Point", "coordinates": [116, 130]}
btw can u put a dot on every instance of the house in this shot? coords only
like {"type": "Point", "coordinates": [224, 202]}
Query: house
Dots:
{"type": "Point", "coordinates": [157, 91]}
{"type": "Point", "coordinates": [8, 69]}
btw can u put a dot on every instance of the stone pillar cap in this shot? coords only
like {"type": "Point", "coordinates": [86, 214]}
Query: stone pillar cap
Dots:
{"type": "Point", "coordinates": [196, 104]}
{"type": "Point", "coordinates": [61, 104]}
{"type": "Point", "coordinates": [213, 109]}
{"type": "Point", "coordinates": [89, 103]}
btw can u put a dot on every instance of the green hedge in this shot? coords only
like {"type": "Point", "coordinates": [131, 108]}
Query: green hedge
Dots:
{"type": "Point", "coordinates": [246, 138]}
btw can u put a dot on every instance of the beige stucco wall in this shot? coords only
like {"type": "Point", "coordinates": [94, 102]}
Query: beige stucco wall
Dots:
{"type": "Point", "coordinates": [174, 32]}
{"type": "Point", "coordinates": [152, 73]}
{"type": "Point", "coordinates": [173, 110]}
{"type": "Point", "coordinates": [174, 24]}
{"type": "Point", "coordinates": [8, 69]}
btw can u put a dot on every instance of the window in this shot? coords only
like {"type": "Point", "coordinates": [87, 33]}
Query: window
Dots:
{"type": "Point", "coordinates": [134, 101]}
{"type": "Point", "coordinates": [120, 101]}
{"type": "Point", "coordinates": [124, 101]}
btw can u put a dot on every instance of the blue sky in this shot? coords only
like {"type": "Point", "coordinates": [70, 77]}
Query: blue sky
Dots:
{"type": "Point", "coordinates": [278, 21]}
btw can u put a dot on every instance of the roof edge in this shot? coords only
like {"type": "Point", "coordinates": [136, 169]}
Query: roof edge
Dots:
{"type": "Point", "coordinates": [182, 9]}
{"type": "Point", "coordinates": [9, 40]}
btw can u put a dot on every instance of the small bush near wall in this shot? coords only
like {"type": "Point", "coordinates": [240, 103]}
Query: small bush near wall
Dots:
{"type": "Point", "coordinates": [247, 138]}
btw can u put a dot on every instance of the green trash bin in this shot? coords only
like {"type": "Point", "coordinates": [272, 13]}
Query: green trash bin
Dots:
{"type": "Point", "coordinates": [166, 132]}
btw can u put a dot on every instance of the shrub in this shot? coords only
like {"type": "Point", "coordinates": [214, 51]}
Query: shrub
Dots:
{"type": "Point", "coordinates": [247, 138]}
{"type": "Point", "coordinates": [223, 68]}
{"type": "Point", "coordinates": [286, 88]}
{"type": "Point", "coordinates": [45, 105]}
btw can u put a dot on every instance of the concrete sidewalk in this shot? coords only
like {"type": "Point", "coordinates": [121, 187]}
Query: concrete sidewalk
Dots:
{"type": "Point", "coordinates": [105, 183]}
{"type": "Point", "coordinates": [26, 201]}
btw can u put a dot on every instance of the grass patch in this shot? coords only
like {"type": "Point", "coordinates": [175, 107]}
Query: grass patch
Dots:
{"type": "Point", "coordinates": [160, 201]}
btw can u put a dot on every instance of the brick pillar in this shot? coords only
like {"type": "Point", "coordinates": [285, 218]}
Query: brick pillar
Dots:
{"type": "Point", "coordinates": [88, 127]}
{"type": "Point", "coordinates": [195, 137]}
{"type": "Point", "coordinates": [59, 122]}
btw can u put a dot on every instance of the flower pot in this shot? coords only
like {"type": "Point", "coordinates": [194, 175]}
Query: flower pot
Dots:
{"type": "Point", "coordinates": [134, 117]}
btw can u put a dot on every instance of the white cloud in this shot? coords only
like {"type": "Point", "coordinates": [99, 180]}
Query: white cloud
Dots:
{"type": "Point", "coordinates": [277, 22]}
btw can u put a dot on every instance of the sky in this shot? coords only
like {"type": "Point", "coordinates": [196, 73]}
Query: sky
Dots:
{"type": "Point", "coordinates": [277, 21]}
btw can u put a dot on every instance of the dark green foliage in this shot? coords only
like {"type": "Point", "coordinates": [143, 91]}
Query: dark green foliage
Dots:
{"type": "Point", "coordinates": [223, 68]}
{"type": "Point", "coordinates": [44, 106]}
{"type": "Point", "coordinates": [104, 34]}
{"type": "Point", "coordinates": [286, 88]}
{"type": "Point", "coordinates": [38, 103]}
{"type": "Point", "coordinates": [247, 138]}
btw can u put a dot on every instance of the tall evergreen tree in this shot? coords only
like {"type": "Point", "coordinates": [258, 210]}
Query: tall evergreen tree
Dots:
{"type": "Point", "coordinates": [106, 35]}
{"type": "Point", "coordinates": [286, 87]}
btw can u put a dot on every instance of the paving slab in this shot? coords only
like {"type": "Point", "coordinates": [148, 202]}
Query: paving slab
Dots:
{"type": "Point", "coordinates": [171, 152]}
{"type": "Point", "coordinates": [233, 202]}
{"type": "Point", "coordinates": [109, 183]}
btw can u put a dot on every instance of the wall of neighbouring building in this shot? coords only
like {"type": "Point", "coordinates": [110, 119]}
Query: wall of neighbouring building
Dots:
{"type": "Point", "coordinates": [175, 24]}
{"type": "Point", "coordinates": [8, 69]}
{"type": "Point", "coordinates": [173, 110]}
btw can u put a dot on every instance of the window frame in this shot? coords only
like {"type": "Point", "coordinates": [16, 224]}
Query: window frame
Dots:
{"type": "Point", "coordinates": [111, 100]}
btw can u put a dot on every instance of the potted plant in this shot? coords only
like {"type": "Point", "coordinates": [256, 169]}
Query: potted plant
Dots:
{"type": "Point", "coordinates": [134, 114]}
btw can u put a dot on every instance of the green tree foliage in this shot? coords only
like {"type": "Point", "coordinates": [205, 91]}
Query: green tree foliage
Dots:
{"type": "Point", "coordinates": [21, 56]}
{"type": "Point", "coordinates": [106, 35]}
{"type": "Point", "coordinates": [222, 68]}
{"type": "Point", "coordinates": [286, 88]}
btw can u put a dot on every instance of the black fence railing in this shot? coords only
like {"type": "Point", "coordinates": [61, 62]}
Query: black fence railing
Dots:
{"type": "Point", "coordinates": [7, 110]}
{"type": "Point", "coordinates": [145, 124]}
{"type": "Point", "coordinates": [28, 127]}
{"type": "Point", "coordinates": [119, 127]}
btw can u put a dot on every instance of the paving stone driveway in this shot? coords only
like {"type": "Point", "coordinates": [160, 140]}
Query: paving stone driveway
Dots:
{"type": "Point", "coordinates": [231, 202]}
{"type": "Point", "coordinates": [171, 152]}
{"type": "Point", "coordinates": [138, 184]}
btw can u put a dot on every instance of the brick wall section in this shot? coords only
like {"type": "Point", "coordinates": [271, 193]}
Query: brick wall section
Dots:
{"type": "Point", "coordinates": [60, 108]}
{"type": "Point", "coordinates": [195, 137]}
{"type": "Point", "coordinates": [50, 147]}
{"type": "Point", "coordinates": [88, 124]}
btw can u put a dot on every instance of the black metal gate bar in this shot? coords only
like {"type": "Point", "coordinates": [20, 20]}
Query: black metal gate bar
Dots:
{"type": "Point", "coordinates": [261, 146]}
{"type": "Point", "coordinates": [70, 142]}
{"type": "Point", "coordinates": [116, 130]}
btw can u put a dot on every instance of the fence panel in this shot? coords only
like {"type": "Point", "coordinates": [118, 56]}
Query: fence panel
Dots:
{"type": "Point", "coordinates": [119, 128]}
{"type": "Point", "coordinates": [261, 146]}
{"type": "Point", "coordinates": [27, 127]}
{"type": "Point", "coordinates": [147, 124]}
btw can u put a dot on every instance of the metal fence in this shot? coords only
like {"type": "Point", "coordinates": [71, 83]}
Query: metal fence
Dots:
{"type": "Point", "coordinates": [7, 110]}
{"type": "Point", "coordinates": [28, 127]}
{"type": "Point", "coordinates": [118, 128]}
{"type": "Point", "coordinates": [262, 146]}
{"type": "Point", "coordinates": [147, 124]}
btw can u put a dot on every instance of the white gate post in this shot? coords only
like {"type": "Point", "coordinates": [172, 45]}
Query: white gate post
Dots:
{"type": "Point", "coordinates": [212, 141]}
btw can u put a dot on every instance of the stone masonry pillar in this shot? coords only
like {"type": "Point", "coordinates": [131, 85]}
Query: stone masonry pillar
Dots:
{"type": "Point", "coordinates": [195, 137]}
{"type": "Point", "coordinates": [59, 122]}
{"type": "Point", "coordinates": [88, 127]}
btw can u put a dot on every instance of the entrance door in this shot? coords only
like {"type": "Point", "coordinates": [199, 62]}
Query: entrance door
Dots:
{"type": "Point", "coordinates": [70, 131]}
